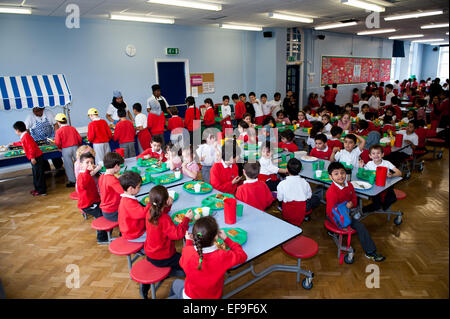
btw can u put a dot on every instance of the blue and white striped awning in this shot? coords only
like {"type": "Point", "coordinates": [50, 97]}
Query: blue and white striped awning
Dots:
{"type": "Point", "coordinates": [28, 91]}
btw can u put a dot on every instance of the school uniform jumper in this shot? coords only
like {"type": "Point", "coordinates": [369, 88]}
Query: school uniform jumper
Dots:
{"type": "Point", "coordinates": [291, 147]}
{"type": "Point", "coordinates": [255, 193]}
{"type": "Point", "coordinates": [155, 124]}
{"type": "Point", "coordinates": [125, 133]}
{"type": "Point", "coordinates": [110, 191]}
{"type": "Point", "coordinates": [325, 154]}
{"type": "Point", "coordinates": [67, 139]}
{"type": "Point", "coordinates": [33, 151]}
{"type": "Point", "coordinates": [132, 217]}
{"type": "Point", "coordinates": [175, 125]}
{"type": "Point", "coordinates": [209, 119]}
{"type": "Point", "coordinates": [221, 176]}
{"type": "Point", "coordinates": [99, 135]}
{"type": "Point", "coordinates": [152, 154]}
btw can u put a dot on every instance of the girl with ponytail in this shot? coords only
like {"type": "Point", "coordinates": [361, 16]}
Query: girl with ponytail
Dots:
{"type": "Point", "coordinates": [204, 263]}
{"type": "Point", "coordinates": [162, 233]}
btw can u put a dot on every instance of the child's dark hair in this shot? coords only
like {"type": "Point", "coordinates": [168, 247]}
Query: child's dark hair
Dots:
{"type": "Point", "coordinates": [336, 130]}
{"type": "Point", "coordinates": [252, 169]}
{"type": "Point", "coordinates": [209, 101]}
{"type": "Point", "coordinates": [369, 116]}
{"type": "Point", "coordinates": [326, 116]}
{"type": "Point", "coordinates": [317, 127]}
{"type": "Point", "coordinates": [112, 159]}
{"type": "Point", "coordinates": [288, 134]}
{"type": "Point", "coordinates": [306, 108]}
{"type": "Point", "coordinates": [234, 96]}
{"type": "Point", "coordinates": [420, 123]}
{"type": "Point", "coordinates": [85, 156]}
{"type": "Point", "coordinates": [171, 147]}
{"type": "Point", "coordinates": [365, 106]}
{"type": "Point", "coordinates": [387, 119]}
{"type": "Point", "coordinates": [280, 112]}
{"type": "Point", "coordinates": [225, 97]}
{"type": "Point", "coordinates": [130, 179]}
{"type": "Point", "coordinates": [268, 120]}
{"type": "Point", "coordinates": [20, 126]}
{"type": "Point", "coordinates": [321, 137]}
{"type": "Point", "coordinates": [376, 147]}
{"type": "Point", "coordinates": [414, 123]}
{"type": "Point", "coordinates": [157, 139]}
{"type": "Point", "coordinates": [173, 110]}
{"type": "Point", "coordinates": [158, 197]}
{"type": "Point", "coordinates": [204, 233]}
{"type": "Point", "coordinates": [243, 124]}
{"type": "Point", "coordinates": [334, 85]}
{"type": "Point", "coordinates": [390, 109]}
{"type": "Point", "coordinates": [335, 166]}
{"type": "Point", "coordinates": [394, 100]}
{"type": "Point", "coordinates": [137, 107]}
{"type": "Point", "coordinates": [326, 88]}
{"type": "Point", "coordinates": [252, 94]}
{"type": "Point", "coordinates": [242, 95]}
{"type": "Point", "coordinates": [321, 109]}
{"type": "Point", "coordinates": [121, 113]}
{"type": "Point", "coordinates": [294, 166]}
{"type": "Point", "coordinates": [390, 86]}
{"type": "Point", "coordinates": [362, 124]}
{"type": "Point", "coordinates": [355, 90]}
{"type": "Point", "coordinates": [277, 94]}
{"type": "Point", "coordinates": [230, 146]}
{"type": "Point", "coordinates": [190, 100]}
{"type": "Point", "coordinates": [351, 137]}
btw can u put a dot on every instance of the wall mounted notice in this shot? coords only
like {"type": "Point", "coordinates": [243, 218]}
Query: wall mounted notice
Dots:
{"type": "Point", "coordinates": [352, 70]}
{"type": "Point", "coordinates": [203, 82]}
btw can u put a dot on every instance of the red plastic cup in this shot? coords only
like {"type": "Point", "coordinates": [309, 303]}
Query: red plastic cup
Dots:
{"type": "Point", "coordinates": [398, 140]}
{"type": "Point", "coordinates": [229, 207]}
{"type": "Point", "coordinates": [120, 151]}
{"type": "Point", "coordinates": [381, 175]}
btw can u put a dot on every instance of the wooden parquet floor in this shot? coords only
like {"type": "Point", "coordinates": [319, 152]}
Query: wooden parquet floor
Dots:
{"type": "Point", "coordinates": [40, 237]}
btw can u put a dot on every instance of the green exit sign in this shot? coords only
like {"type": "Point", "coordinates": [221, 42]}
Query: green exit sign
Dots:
{"type": "Point", "coordinates": [172, 51]}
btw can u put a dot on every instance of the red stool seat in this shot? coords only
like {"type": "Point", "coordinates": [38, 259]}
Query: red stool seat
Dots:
{"type": "Point", "coordinates": [74, 195]}
{"type": "Point", "coordinates": [331, 227]}
{"type": "Point", "coordinates": [436, 140]}
{"type": "Point", "coordinates": [301, 247]}
{"type": "Point", "coordinates": [309, 212]}
{"type": "Point", "coordinates": [145, 273]}
{"type": "Point", "coordinates": [122, 247]}
{"type": "Point", "coordinates": [102, 223]}
{"type": "Point", "coordinates": [399, 194]}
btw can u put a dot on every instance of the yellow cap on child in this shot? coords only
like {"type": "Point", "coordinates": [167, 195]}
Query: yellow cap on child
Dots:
{"type": "Point", "coordinates": [92, 111]}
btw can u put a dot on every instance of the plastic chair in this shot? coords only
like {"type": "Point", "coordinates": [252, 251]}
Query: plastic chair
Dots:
{"type": "Point", "coordinates": [74, 195]}
{"type": "Point", "coordinates": [123, 247]}
{"type": "Point", "coordinates": [436, 143]}
{"type": "Point", "coordinates": [102, 223]}
{"type": "Point", "coordinates": [348, 258]}
{"type": "Point", "coordinates": [301, 247]}
{"type": "Point", "coordinates": [145, 273]}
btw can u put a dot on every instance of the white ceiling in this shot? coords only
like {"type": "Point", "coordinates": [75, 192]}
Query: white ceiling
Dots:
{"type": "Point", "coordinates": [254, 12]}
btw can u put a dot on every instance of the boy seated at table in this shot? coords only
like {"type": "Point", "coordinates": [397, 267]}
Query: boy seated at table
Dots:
{"type": "Point", "coordinates": [410, 139]}
{"type": "Point", "coordinates": [224, 175]}
{"type": "Point", "coordinates": [351, 152]}
{"type": "Point", "coordinates": [385, 199]}
{"type": "Point", "coordinates": [362, 128]}
{"type": "Point", "coordinates": [362, 113]}
{"type": "Point", "coordinates": [322, 151]}
{"type": "Point", "coordinates": [370, 117]}
{"type": "Point", "coordinates": [340, 192]}
{"type": "Point", "coordinates": [254, 192]}
{"type": "Point", "coordinates": [389, 112]}
{"type": "Point", "coordinates": [335, 140]}
{"type": "Point", "coordinates": [295, 195]}
{"type": "Point", "coordinates": [268, 171]}
{"type": "Point", "coordinates": [287, 141]}
{"type": "Point", "coordinates": [155, 150]}
{"type": "Point", "coordinates": [388, 125]}
{"type": "Point", "coordinates": [282, 118]}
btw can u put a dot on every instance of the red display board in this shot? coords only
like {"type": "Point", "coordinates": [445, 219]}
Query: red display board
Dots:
{"type": "Point", "coordinates": [352, 70]}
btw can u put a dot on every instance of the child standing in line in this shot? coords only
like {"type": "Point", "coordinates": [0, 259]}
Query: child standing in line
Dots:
{"type": "Point", "coordinates": [239, 108]}
{"type": "Point", "coordinates": [351, 152]}
{"type": "Point", "coordinates": [155, 151]}
{"type": "Point", "coordinates": [175, 125]}
{"type": "Point", "coordinates": [389, 94]}
{"type": "Point", "coordinates": [226, 108]}
{"type": "Point", "coordinates": [265, 106]}
{"type": "Point", "coordinates": [268, 171]}
{"type": "Point", "coordinates": [207, 154]}
{"type": "Point", "coordinates": [155, 124]}
{"type": "Point", "coordinates": [355, 96]}
{"type": "Point", "coordinates": [209, 119]}
{"type": "Point", "coordinates": [287, 141]}
{"type": "Point", "coordinates": [275, 104]}
{"type": "Point", "coordinates": [224, 175]}
{"type": "Point", "coordinates": [205, 265]}
{"type": "Point", "coordinates": [109, 185]}
{"type": "Point", "coordinates": [132, 214]}
{"type": "Point", "coordinates": [162, 233]}
{"type": "Point", "coordinates": [189, 166]}
{"type": "Point", "coordinates": [99, 134]}
{"type": "Point", "coordinates": [259, 115]}
{"type": "Point", "coordinates": [339, 192]}
{"type": "Point", "coordinates": [334, 141]}
{"type": "Point", "coordinates": [143, 134]}
{"type": "Point", "coordinates": [301, 120]}
{"type": "Point", "coordinates": [173, 155]}
{"type": "Point", "coordinates": [295, 194]}
{"type": "Point", "coordinates": [88, 197]}
{"type": "Point", "coordinates": [322, 150]}
{"type": "Point", "coordinates": [192, 114]}
{"type": "Point", "coordinates": [34, 154]}
{"type": "Point", "coordinates": [124, 132]}
{"type": "Point", "coordinates": [67, 139]}
{"type": "Point", "coordinates": [254, 192]}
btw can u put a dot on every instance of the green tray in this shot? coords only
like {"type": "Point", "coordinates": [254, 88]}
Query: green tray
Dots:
{"type": "Point", "coordinates": [48, 148]}
{"type": "Point", "coordinates": [165, 179]}
{"type": "Point", "coordinates": [15, 153]}
{"type": "Point", "coordinates": [146, 162]}
{"type": "Point", "coordinates": [365, 174]}
{"type": "Point", "coordinates": [253, 147]}
{"type": "Point", "coordinates": [282, 164]}
{"type": "Point", "coordinates": [206, 188]}
{"type": "Point", "coordinates": [146, 179]}
{"type": "Point", "coordinates": [211, 201]}
{"type": "Point", "coordinates": [143, 200]}
{"type": "Point", "coordinates": [346, 166]}
{"type": "Point", "coordinates": [287, 127]}
{"type": "Point", "coordinates": [252, 154]}
{"type": "Point", "coordinates": [184, 211]}
{"type": "Point", "coordinates": [324, 177]}
{"type": "Point", "coordinates": [160, 168]}
{"type": "Point", "coordinates": [240, 238]}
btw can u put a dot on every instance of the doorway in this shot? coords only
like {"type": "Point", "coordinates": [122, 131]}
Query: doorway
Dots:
{"type": "Point", "coordinates": [293, 81]}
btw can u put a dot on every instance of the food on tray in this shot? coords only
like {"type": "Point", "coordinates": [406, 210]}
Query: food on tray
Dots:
{"type": "Point", "coordinates": [309, 158]}
{"type": "Point", "coordinates": [179, 218]}
{"type": "Point", "coordinates": [204, 189]}
{"type": "Point", "coordinates": [146, 200]}
{"type": "Point", "coordinates": [220, 196]}
{"type": "Point", "coordinates": [221, 245]}
{"type": "Point", "coordinates": [232, 232]}
{"type": "Point", "coordinates": [219, 205]}
{"type": "Point", "coordinates": [198, 211]}
{"type": "Point", "coordinates": [189, 186]}
{"type": "Point", "coordinates": [385, 140]}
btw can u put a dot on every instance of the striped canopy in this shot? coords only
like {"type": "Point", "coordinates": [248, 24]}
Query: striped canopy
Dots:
{"type": "Point", "coordinates": [28, 91]}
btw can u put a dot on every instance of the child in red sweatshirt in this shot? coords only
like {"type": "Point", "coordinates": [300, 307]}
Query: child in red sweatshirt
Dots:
{"type": "Point", "coordinates": [162, 232]}
{"type": "Point", "coordinates": [34, 154]}
{"type": "Point", "coordinates": [301, 120]}
{"type": "Point", "coordinates": [155, 124]}
{"type": "Point", "coordinates": [239, 107]}
{"type": "Point", "coordinates": [88, 197]}
{"type": "Point", "coordinates": [322, 151]}
{"type": "Point", "coordinates": [192, 114]}
{"type": "Point", "coordinates": [155, 151]}
{"type": "Point", "coordinates": [205, 265]}
{"type": "Point", "coordinates": [99, 134]}
{"type": "Point", "coordinates": [254, 192]}
{"type": "Point", "coordinates": [175, 125]}
{"type": "Point", "coordinates": [125, 133]}
{"type": "Point", "coordinates": [132, 214]}
{"type": "Point", "coordinates": [334, 141]}
{"type": "Point", "coordinates": [342, 192]}
{"type": "Point", "coordinates": [109, 186]}
{"type": "Point", "coordinates": [224, 175]}
{"type": "Point", "coordinates": [210, 118]}
{"type": "Point", "coordinates": [287, 141]}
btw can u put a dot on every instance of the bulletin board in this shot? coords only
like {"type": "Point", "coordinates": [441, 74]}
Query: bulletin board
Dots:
{"type": "Point", "coordinates": [352, 70]}
{"type": "Point", "coordinates": [202, 82]}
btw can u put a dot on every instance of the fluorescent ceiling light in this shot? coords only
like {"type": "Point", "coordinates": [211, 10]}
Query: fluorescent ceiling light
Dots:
{"type": "Point", "coordinates": [446, 33]}
{"type": "Point", "coordinates": [427, 40]}
{"type": "Point", "coordinates": [413, 15]}
{"type": "Point", "coordinates": [282, 16]}
{"type": "Point", "coordinates": [335, 25]}
{"type": "Point", "coordinates": [15, 10]}
{"type": "Point", "coordinates": [189, 4]}
{"type": "Point", "coordinates": [141, 19]}
{"type": "Point", "coordinates": [376, 31]}
{"type": "Point", "coordinates": [433, 26]}
{"type": "Point", "coordinates": [406, 36]}
{"type": "Point", "coordinates": [441, 43]}
{"type": "Point", "coordinates": [363, 5]}
{"type": "Point", "coordinates": [240, 27]}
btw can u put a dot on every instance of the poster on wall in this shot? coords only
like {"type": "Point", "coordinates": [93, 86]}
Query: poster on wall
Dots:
{"type": "Point", "coordinates": [352, 70]}
{"type": "Point", "coordinates": [202, 82]}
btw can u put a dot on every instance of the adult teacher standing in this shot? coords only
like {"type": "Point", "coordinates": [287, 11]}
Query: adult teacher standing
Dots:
{"type": "Point", "coordinates": [157, 103]}
{"type": "Point", "coordinates": [116, 104]}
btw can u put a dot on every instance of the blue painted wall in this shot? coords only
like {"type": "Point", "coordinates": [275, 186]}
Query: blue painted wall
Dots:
{"type": "Point", "coordinates": [430, 61]}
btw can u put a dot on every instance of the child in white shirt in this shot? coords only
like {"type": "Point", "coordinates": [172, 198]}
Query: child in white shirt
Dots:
{"type": "Point", "coordinates": [265, 106]}
{"type": "Point", "coordinates": [350, 154]}
{"type": "Point", "coordinates": [207, 153]}
{"type": "Point", "coordinates": [326, 124]}
{"type": "Point", "coordinates": [268, 170]}
{"type": "Point", "coordinates": [226, 108]}
{"type": "Point", "coordinates": [364, 109]}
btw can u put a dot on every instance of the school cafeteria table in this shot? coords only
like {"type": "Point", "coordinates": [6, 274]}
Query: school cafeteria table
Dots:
{"type": "Point", "coordinates": [264, 233]}
{"type": "Point", "coordinates": [308, 173]}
